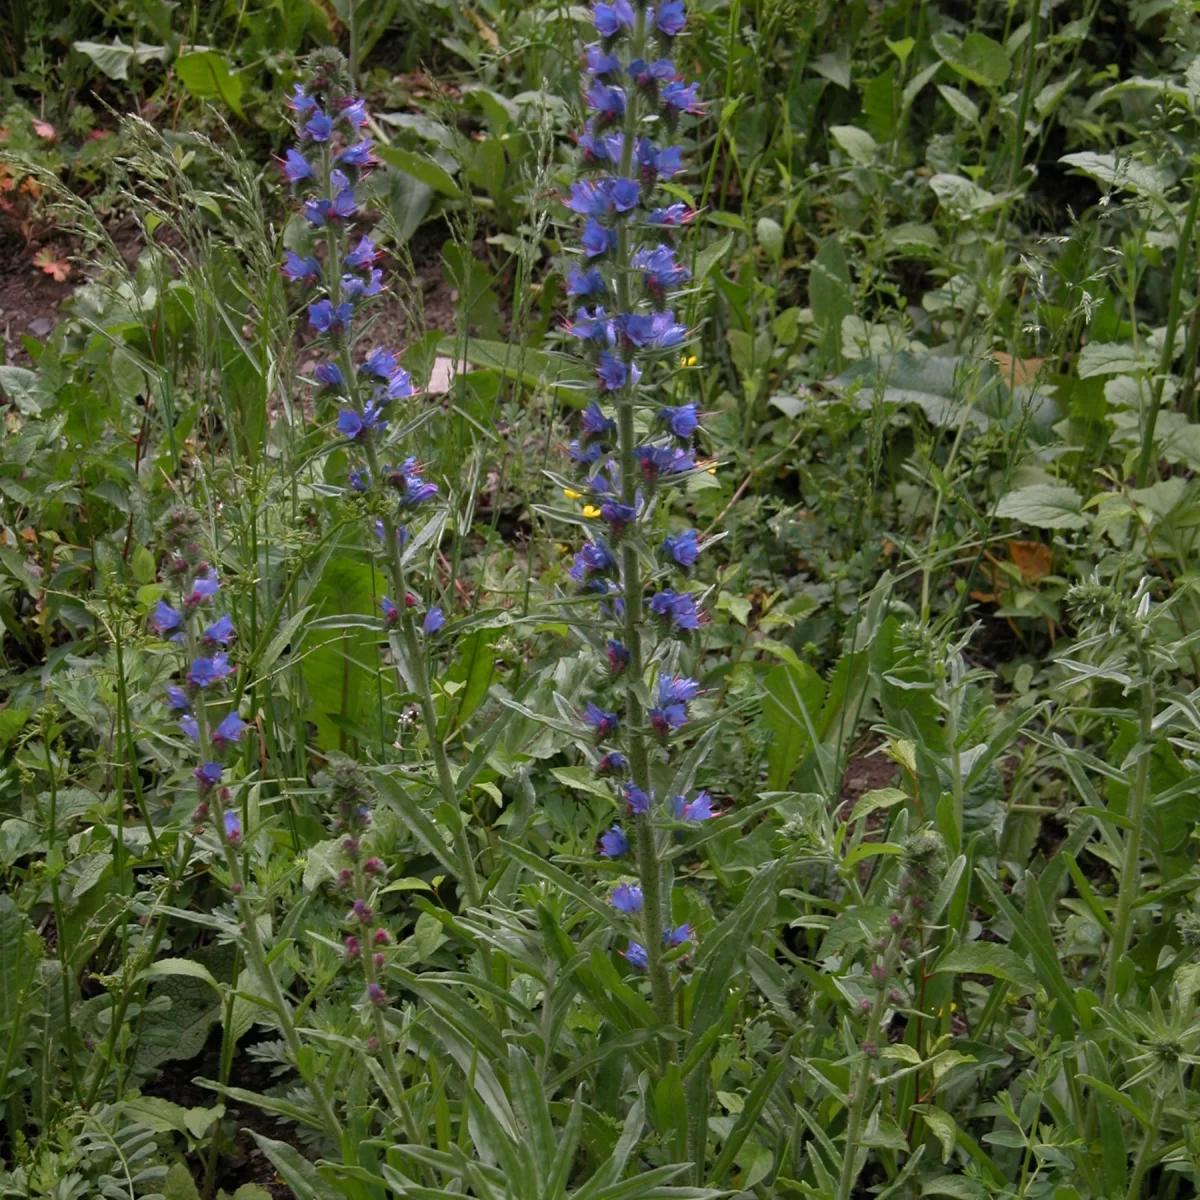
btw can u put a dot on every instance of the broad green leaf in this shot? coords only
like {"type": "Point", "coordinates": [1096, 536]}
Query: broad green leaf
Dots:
{"type": "Point", "coordinates": [1046, 506]}
{"type": "Point", "coordinates": [297, 1172]}
{"type": "Point", "coordinates": [420, 166]}
{"type": "Point", "coordinates": [857, 143]}
{"type": "Point", "coordinates": [1123, 173]}
{"type": "Point", "coordinates": [1105, 358]}
{"type": "Point", "coordinates": [976, 58]}
{"type": "Point", "coordinates": [207, 76]}
{"type": "Point", "coordinates": [114, 59]}
{"type": "Point", "coordinates": [988, 958]}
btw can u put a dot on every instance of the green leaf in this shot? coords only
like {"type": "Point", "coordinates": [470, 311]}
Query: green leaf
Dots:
{"type": "Point", "coordinates": [179, 1184]}
{"type": "Point", "coordinates": [831, 295]}
{"type": "Point", "coordinates": [25, 389]}
{"type": "Point", "coordinates": [142, 565]}
{"type": "Point", "coordinates": [872, 801]}
{"type": "Point", "coordinates": [420, 166]}
{"type": "Point", "coordinates": [115, 60]}
{"type": "Point", "coordinates": [1046, 506]}
{"type": "Point", "coordinates": [1121, 172]}
{"type": "Point", "coordinates": [857, 143]}
{"type": "Point", "coordinates": [769, 235]}
{"type": "Point", "coordinates": [536, 368]}
{"type": "Point", "coordinates": [297, 1172]}
{"type": "Point", "coordinates": [710, 256]}
{"type": "Point", "coordinates": [988, 958]}
{"type": "Point", "coordinates": [181, 966]}
{"type": "Point", "coordinates": [581, 779]}
{"type": "Point", "coordinates": [791, 709]}
{"type": "Point", "coordinates": [942, 1125]}
{"type": "Point", "coordinates": [207, 76]}
{"type": "Point", "coordinates": [976, 58]}
{"type": "Point", "coordinates": [1108, 358]}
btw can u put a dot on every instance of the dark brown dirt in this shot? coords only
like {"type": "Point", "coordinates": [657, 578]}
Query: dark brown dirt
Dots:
{"type": "Point", "coordinates": [29, 300]}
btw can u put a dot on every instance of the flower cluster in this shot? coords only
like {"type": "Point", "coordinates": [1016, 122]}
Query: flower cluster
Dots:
{"type": "Point", "coordinates": [332, 157]}
{"type": "Point", "coordinates": [205, 639]}
{"type": "Point", "coordinates": [631, 446]}
{"type": "Point", "coordinates": [367, 940]}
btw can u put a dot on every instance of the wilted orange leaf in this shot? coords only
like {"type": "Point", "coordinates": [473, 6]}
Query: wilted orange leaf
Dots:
{"type": "Point", "coordinates": [1032, 559]}
{"type": "Point", "coordinates": [45, 130]}
{"type": "Point", "coordinates": [1017, 372]}
{"type": "Point", "coordinates": [58, 267]}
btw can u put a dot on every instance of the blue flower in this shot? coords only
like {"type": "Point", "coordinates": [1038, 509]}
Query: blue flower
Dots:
{"type": "Point", "coordinates": [230, 730]}
{"type": "Point", "coordinates": [296, 167]}
{"type": "Point", "coordinates": [635, 955]}
{"type": "Point", "coordinates": [610, 19]}
{"type": "Point", "coordinates": [597, 239]}
{"type": "Point", "coordinates": [659, 269]}
{"type": "Point", "coordinates": [595, 425]}
{"type": "Point", "coordinates": [604, 723]}
{"type": "Point", "coordinates": [381, 363]}
{"type": "Point", "coordinates": [204, 587]}
{"type": "Point", "coordinates": [233, 827]}
{"type": "Point", "coordinates": [316, 212]}
{"type": "Point", "coordinates": [208, 775]}
{"type": "Point", "coordinates": [356, 426]}
{"type": "Point", "coordinates": [400, 386]}
{"type": "Point", "coordinates": [607, 101]}
{"type": "Point", "coordinates": [666, 718]}
{"type": "Point", "coordinates": [636, 800]}
{"type": "Point", "coordinates": [682, 548]}
{"type": "Point", "coordinates": [318, 126]}
{"type": "Point", "coordinates": [613, 373]}
{"type": "Point", "coordinates": [670, 18]}
{"type": "Point", "coordinates": [358, 155]}
{"type": "Point", "coordinates": [649, 75]}
{"type": "Point", "coordinates": [324, 318]}
{"type": "Point", "coordinates": [594, 556]}
{"type": "Point", "coordinates": [434, 620]}
{"type": "Point", "coordinates": [584, 454]}
{"type": "Point", "coordinates": [206, 671]}
{"type": "Point", "coordinates": [612, 763]}
{"type": "Point", "coordinates": [603, 197]}
{"type": "Point", "coordinates": [672, 215]}
{"type": "Point", "coordinates": [413, 489]}
{"type": "Point", "coordinates": [390, 612]}
{"type": "Point", "coordinates": [354, 112]}
{"type": "Point", "coordinates": [700, 809]}
{"type": "Point", "coordinates": [682, 98]}
{"type": "Point", "coordinates": [600, 63]}
{"type": "Point", "coordinates": [355, 288]}
{"type": "Point", "coordinates": [363, 255]}
{"type": "Point", "coordinates": [596, 326]}
{"type": "Point", "coordinates": [678, 609]}
{"type": "Point", "coordinates": [626, 898]}
{"type": "Point", "coordinates": [165, 618]}
{"type": "Point", "coordinates": [677, 689]}
{"type": "Point", "coordinates": [360, 480]}
{"type": "Point", "coordinates": [618, 515]}
{"type": "Point", "coordinates": [190, 727]}
{"type": "Point", "coordinates": [329, 374]}
{"type": "Point", "coordinates": [301, 270]}
{"type": "Point", "coordinates": [682, 421]}
{"type": "Point", "coordinates": [219, 633]}
{"type": "Point", "coordinates": [300, 101]}
{"type": "Point", "coordinates": [658, 164]}
{"type": "Point", "coordinates": [614, 843]}
{"type": "Point", "coordinates": [344, 205]}
{"type": "Point", "coordinates": [619, 656]}
{"type": "Point", "coordinates": [585, 283]}
{"type": "Point", "coordinates": [677, 936]}
{"type": "Point", "coordinates": [177, 699]}
{"type": "Point", "coordinates": [651, 331]}
{"type": "Point", "coordinates": [600, 147]}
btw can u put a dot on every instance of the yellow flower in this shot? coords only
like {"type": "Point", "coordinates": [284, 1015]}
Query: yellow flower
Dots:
{"type": "Point", "coordinates": [570, 495]}
{"type": "Point", "coordinates": [590, 510]}
{"type": "Point", "coordinates": [688, 360]}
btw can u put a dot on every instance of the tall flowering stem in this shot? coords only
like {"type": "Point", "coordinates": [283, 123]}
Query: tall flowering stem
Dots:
{"type": "Point", "coordinates": [205, 639]}
{"type": "Point", "coordinates": [632, 447]}
{"type": "Point", "coordinates": [325, 168]}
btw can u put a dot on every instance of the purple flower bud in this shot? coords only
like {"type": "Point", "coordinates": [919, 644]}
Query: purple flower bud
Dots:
{"type": "Point", "coordinates": [391, 615]}
{"type": "Point", "coordinates": [604, 723]}
{"type": "Point", "coordinates": [612, 764]}
{"type": "Point", "coordinates": [233, 827]}
{"type": "Point", "coordinates": [318, 127]}
{"type": "Point", "coordinates": [619, 656]}
{"type": "Point", "coordinates": [376, 995]}
{"type": "Point", "coordinates": [614, 843]}
{"type": "Point", "coordinates": [635, 955]}
{"type": "Point", "coordinates": [353, 949]}
{"type": "Point", "coordinates": [296, 167]}
{"type": "Point", "coordinates": [677, 936]}
{"type": "Point", "coordinates": [207, 776]}
{"type": "Point", "coordinates": [206, 671]}
{"type": "Point", "coordinates": [636, 800]}
{"type": "Point", "coordinates": [329, 375]}
{"type": "Point", "coordinates": [361, 911]}
{"type": "Point", "coordinates": [681, 548]}
{"type": "Point", "coordinates": [626, 898]}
